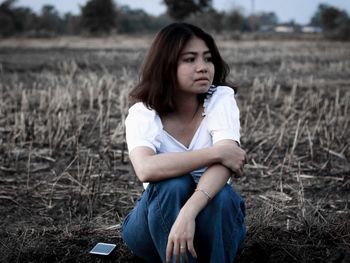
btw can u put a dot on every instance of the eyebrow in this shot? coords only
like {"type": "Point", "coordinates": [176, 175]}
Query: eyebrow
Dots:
{"type": "Point", "coordinates": [195, 53]}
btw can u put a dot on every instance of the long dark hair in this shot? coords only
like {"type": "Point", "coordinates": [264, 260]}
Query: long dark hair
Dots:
{"type": "Point", "coordinates": [158, 82]}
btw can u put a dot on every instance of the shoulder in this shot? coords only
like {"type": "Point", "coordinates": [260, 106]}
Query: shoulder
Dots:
{"type": "Point", "coordinates": [221, 95]}
{"type": "Point", "coordinates": [142, 122]}
{"type": "Point", "coordinates": [140, 110]}
{"type": "Point", "coordinates": [142, 127]}
{"type": "Point", "coordinates": [224, 91]}
{"type": "Point", "coordinates": [223, 115]}
{"type": "Point", "coordinates": [139, 113]}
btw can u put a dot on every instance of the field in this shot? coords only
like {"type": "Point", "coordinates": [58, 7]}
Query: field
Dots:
{"type": "Point", "coordinates": [65, 179]}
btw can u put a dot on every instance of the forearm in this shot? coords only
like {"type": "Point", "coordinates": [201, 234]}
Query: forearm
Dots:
{"type": "Point", "coordinates": [211, 182]}
{"type": "Point", "coordinates": [166, 165]}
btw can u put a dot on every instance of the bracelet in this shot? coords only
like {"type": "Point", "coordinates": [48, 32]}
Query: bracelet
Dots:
{"type": "Point", "coordinates": [207, 195]}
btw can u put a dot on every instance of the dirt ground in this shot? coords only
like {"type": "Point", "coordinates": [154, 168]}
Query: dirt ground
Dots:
{"type": "Point", "coordinates": [65, 179]}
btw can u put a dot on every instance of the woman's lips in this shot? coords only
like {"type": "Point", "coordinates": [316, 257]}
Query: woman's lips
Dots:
{"type": "Point", "coordinates": [202, 80]}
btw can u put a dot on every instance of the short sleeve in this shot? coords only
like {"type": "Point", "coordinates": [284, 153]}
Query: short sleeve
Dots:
{"type": "Point", "coordinates": [141, 128]}
{"type": "Point", "coordinates": [223, 115]}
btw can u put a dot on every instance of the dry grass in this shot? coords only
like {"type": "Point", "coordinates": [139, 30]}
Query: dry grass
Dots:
{"type": "Point", "coordinates": [65, 178]}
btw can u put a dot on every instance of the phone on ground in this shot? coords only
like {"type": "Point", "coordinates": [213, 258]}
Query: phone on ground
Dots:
{"type": "Point", "coordinates": [102, 249]}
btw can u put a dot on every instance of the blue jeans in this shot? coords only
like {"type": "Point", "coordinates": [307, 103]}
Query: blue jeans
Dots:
{"type": "Point", "coordinates": [220, 229]}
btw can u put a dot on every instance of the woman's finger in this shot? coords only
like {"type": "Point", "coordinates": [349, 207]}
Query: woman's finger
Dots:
{"type": "Point", "coordinates": [176, 251]}
{"type": "Point", "coordinates": [191, 249]}
{"type": "Point", "coordinates": [169, 251]}
{"type": "Point", "coordinates": [183, 248]}
{"type": "Point", "coordinates": [183, 251]}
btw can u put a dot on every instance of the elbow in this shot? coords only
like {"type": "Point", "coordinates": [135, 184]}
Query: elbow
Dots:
{"type": "Point", "coordinates": [143, 173]}
{"type": "Point", "coordinates": [143, 177]}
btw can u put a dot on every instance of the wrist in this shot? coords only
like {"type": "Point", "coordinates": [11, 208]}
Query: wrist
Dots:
{"type": "Point", "coordinates": [188, 211]}
{"type": "Point", "coordinates": [205, 193]}
{"type": "Point", "coordinates": [216, 155]}
{"type": "Point", "coordinates": [194, 205]}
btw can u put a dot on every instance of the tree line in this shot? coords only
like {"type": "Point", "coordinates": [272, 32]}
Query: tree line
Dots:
{"type": "Point", "coordinates": [105, 17]}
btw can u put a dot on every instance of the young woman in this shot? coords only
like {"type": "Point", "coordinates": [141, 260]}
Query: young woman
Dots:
{"type": "Point", "coordinates": [183, 141]}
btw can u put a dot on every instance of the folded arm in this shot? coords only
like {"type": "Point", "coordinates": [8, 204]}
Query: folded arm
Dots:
{"type": "Point", "coordinates": [150, 166]}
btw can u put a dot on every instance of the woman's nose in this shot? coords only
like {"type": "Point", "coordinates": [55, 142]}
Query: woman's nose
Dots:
{"type": "Point", "coordinates": [202, 66]}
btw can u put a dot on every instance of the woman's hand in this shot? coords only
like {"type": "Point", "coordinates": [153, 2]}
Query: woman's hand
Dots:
{"type": "Point", "coordinates": [232, 156]}
{"type": "Point", "coordinates": [181, 237]}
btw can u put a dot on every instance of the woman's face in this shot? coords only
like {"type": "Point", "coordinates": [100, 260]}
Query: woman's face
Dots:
{"type": "Point", "coordinates": [195, 69]}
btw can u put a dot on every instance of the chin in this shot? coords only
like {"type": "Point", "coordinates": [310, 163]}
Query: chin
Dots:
{"type": "Point", "coordinates": [205, 88]}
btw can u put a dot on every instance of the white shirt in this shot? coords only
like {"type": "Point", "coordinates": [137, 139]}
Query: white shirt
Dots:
{"type": "Point", "coordinates": [144, 126]}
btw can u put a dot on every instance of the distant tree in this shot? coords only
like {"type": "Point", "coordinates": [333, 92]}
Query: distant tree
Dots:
{"type": "Point", "coordinates": [132, 20]}
{"type": "Point", "coordinates": [209, 20]}
{"type": "Point", "coordinates": [316, 18]}
{"type": "Point", "coordinates": [212, 20]}
{"type": "Point", "coordinates": [71, 24]}
{"type": "Point", "coordinates": [332, 18]}
{"type": "Point", "coordinates": [137, 20]}
{"type": "Point", "coordinates": [50, 21]}
{"type": "Point", "coordinates": [98, 16]}
{"type": "Point", "coordinates": [159, 22]}
{"type": "Point", "coordinates": [7, 18]}
{"type": "Point", "coordinates": [26, 19]}
{"type": "Point", "coordinates": [267, 19]}
{"type": "Point", "coordinates": [234, 21]}
{"type": "Point", "coordinates": [334, 22]}
{"type": "Point", "coordinates": [16, 20]}
{"type": "Point", "coordinates": [180, 9]}
{"type": "Point", "coordinates": [22, 20]}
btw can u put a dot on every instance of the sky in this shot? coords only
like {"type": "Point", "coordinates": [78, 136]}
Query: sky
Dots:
{"type": "Point", "coordinates": [298, 10]}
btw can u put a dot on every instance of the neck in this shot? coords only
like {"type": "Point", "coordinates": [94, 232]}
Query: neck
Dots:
{"type": "Point", "coordinates": [187, 106]}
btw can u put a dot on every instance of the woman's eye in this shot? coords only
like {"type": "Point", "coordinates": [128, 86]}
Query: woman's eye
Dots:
{"type": "Point", "coordinates": [189, 59]}
{"type": "Point", "coordinates": [208, 59]}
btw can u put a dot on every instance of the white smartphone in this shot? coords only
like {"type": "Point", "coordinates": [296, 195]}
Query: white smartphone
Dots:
{"type": "Point", "coordinates": [103, 249]}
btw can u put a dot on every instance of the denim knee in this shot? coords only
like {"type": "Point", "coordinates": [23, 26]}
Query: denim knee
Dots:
{"type": "Point", "coordinates": [136, 235]}
{"type": "Point", "coordinates": [177, 188]}
{"type": "Point", "coordinates": [231, 204]}
{"type": "Point", "coordinates": [228, 196]}
{"type": "Point", "coordinates": [220, 228]}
